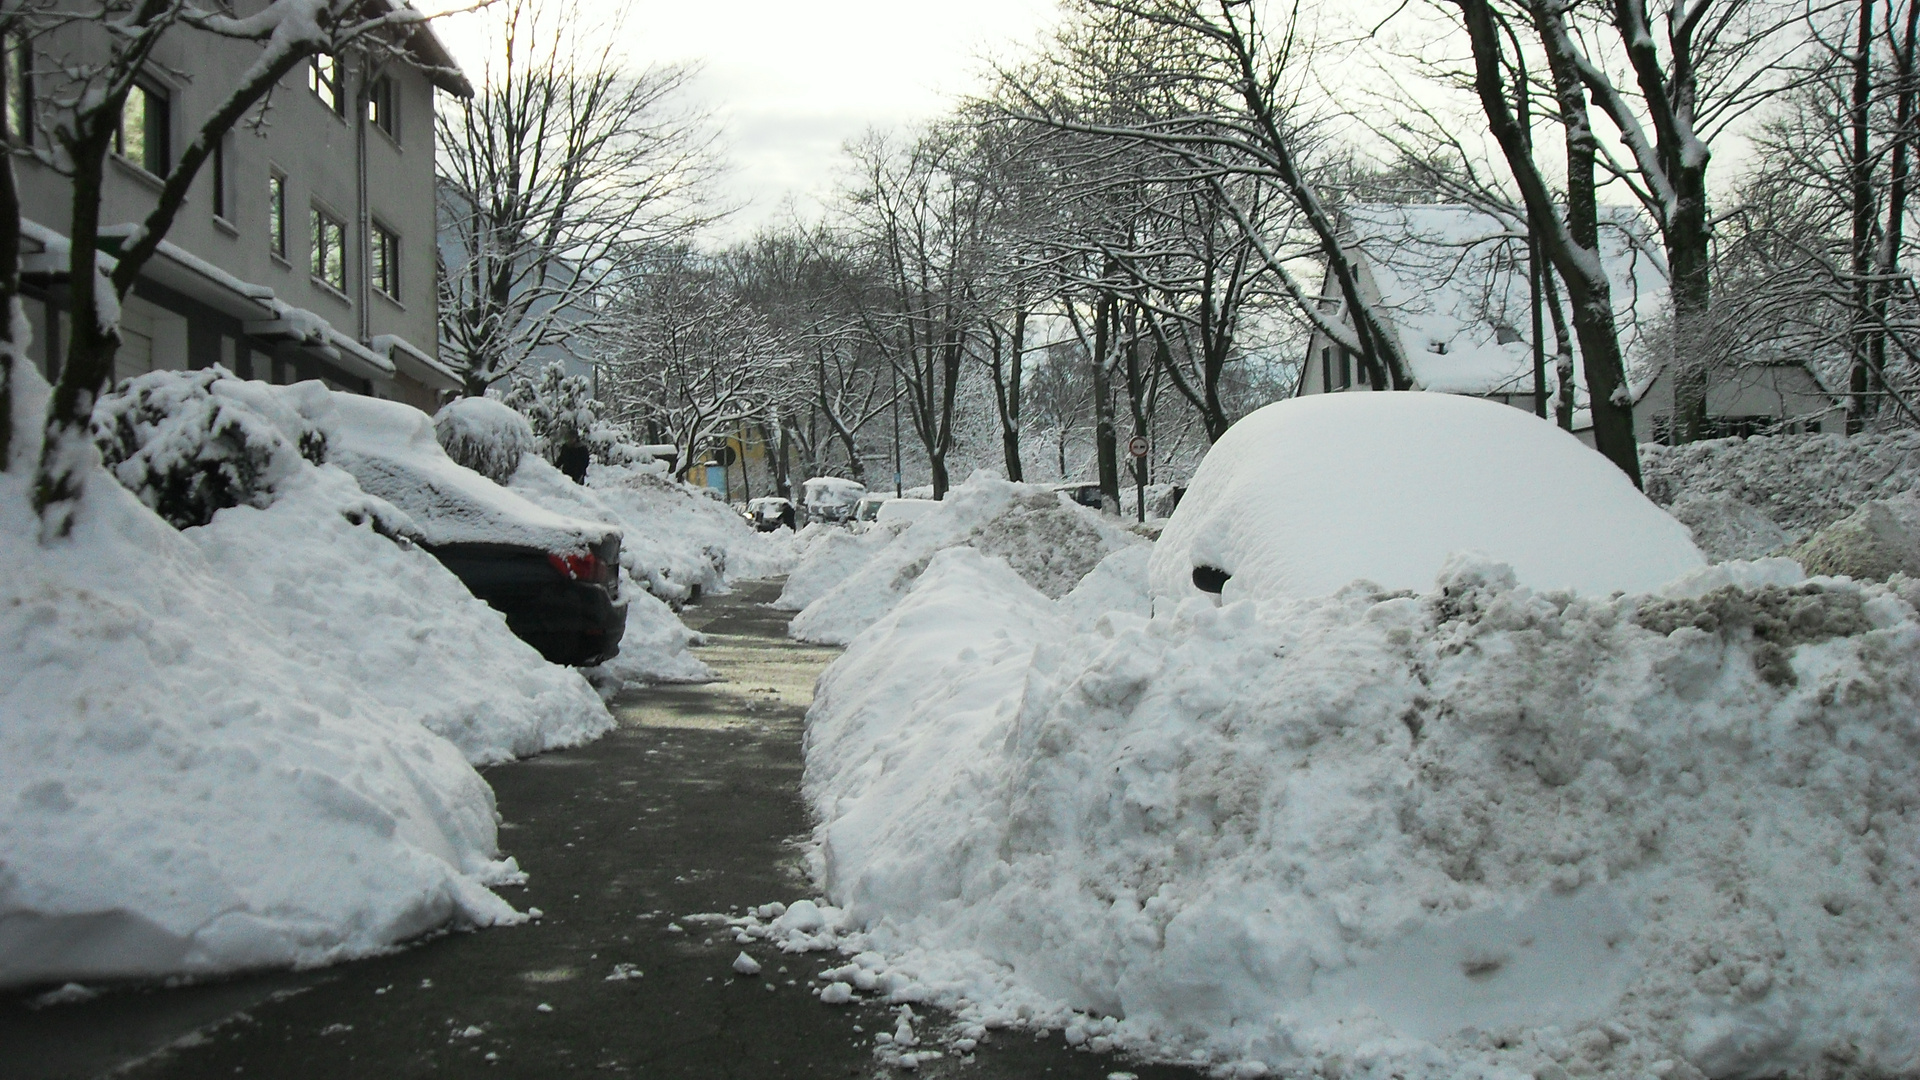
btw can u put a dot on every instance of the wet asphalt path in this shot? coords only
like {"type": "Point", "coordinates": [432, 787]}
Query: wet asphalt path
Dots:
{"type": "Point", "coordinates": [692, 806]}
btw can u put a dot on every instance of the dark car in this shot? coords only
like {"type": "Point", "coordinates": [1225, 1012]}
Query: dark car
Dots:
{"type": "Point", "coordinates": [566, 606]}
{"type": "Point", "coordinates": [556, 578]}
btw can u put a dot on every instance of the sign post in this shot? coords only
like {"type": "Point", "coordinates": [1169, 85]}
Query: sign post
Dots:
{"type": "Point", "coordinates": [1137, 447]}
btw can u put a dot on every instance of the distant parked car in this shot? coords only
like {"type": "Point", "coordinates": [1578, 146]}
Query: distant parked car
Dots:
{"type": "Point", "coordinates": [903, 510]}
{"type": "Point", "coordinates": [771, 512]}
{"type": "Point", "coordinates": [555, 578]}
{"type": "Point", "coordinates": [1087, 494]}
{"type": "Point", "coordinates": [832, 498]}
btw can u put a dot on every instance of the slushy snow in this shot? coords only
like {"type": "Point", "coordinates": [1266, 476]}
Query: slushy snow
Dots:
{"type": "Point", "coordinates": [1305, 495]}
{"type": "Point", "coordinates": [1481, 830]}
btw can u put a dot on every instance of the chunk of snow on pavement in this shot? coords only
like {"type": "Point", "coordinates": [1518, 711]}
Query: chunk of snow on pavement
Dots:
{"type": "Point", "coordinates": [1286, 835]}
{"type": "Point", "coordinates": [1306, 495]}
{"type": "Point", "coordinates": [1045, 538]}
{"type": "Point", "coordinates": [746, 965]}
{"type": "Point", "coordinates": [836, 993]}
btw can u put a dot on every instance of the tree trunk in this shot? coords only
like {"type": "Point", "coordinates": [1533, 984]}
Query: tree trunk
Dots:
{"type": "Point", "coordinates": [1104, 332]}
{"type": "Point", "coordinates": [1860, 195]}
{"type": "Point", "coordinates": [1573, 248]}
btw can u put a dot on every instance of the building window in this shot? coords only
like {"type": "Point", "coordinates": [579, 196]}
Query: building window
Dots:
{"type": "Point", "coordinates": [1360, 372]}
{"type": "Point", "coordinates": [383, 101]}
{"type": "Point", "coordinates": [1345, 370]}
{"type": "Point", "coordinates": [277, 214]}
{"type": "Point", "coordinates": [146, 123]}
{"type": "Point", "coordinates": [329, 249]}
{"type": "Point", "coordinates": [1326, 370]}
{"type": "Point", "coordinates": [323, 78]}
{"type": "Point", "coordinates": [17, 58]}
{"type": "Point", "coordinates": [222, 189]}
{"type": "Point", "coordinates": [385, 260]}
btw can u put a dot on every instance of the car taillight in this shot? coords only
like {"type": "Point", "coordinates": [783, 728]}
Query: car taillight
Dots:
{"type": "Point", "coordinates": [578, 567]}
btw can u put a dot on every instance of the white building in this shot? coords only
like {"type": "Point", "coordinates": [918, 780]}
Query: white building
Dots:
{"type": "Point", "coordinates": [1452, 283]}
{"type": "Point", "coordinates": [306, 248]}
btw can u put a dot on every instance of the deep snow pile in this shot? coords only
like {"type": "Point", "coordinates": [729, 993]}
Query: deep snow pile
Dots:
{"type": "Point", "coordinates": [1800, 482]}
{"type": "Point", "coordinates": [829, 555]}
{"type": "Point", "coordinates": [1047, 540]}
{"type": "Point", "coordinates": [1478, 831]}
{"type": "Point", "coordinates": [191, 788]}
{"type": "Point", "coordinates": [398, 623]}
{"type": "Point", "coordinates": [1303, 496]}
{"type": "Point", "coordinates": [676, 539]}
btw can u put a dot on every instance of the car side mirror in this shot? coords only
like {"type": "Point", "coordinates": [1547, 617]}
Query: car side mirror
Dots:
{"type": "Point", "coordinates": [1210, 579]}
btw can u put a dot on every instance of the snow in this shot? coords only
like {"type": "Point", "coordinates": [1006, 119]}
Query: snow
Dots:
{"type": "Point", "coordinates": [484, 435]}
{"type": "Point", "coordinates": [675, 539]}
{"type": "Point", "coordinates": [1449, 276]}
{"type": "Point", "coordinates": [1800, 482]}
{"type": "Point", "coordinates": [419, 643]}
{"type": "Point", "coordinates": [1478, 830]}
{"type": "Point", "coordinates": [393, 452]}
{"type": "Point", "coordinates": [1049, 541]}
{"type": "Point", "coordinates": [829, 555]}
{"type": "Point", "coordinates": [1306, 495]}
{"type": "Point", "coordinates": [191, 788]}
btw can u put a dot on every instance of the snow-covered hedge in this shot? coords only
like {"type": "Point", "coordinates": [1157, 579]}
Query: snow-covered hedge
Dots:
{"type": "Point", "coordinates": [485, 436]}
{"type": "Point", "coordinates": [1479, 831]}
{"type": "Point", "coordinates": [190, 444]}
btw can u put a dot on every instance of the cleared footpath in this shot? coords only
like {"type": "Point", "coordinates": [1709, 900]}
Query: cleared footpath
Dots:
{"type": "Point", "coordinates": [691, 806]}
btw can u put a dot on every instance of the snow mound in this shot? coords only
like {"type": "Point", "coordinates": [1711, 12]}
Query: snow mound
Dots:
{"type": "Point", "coordinates": [675, 540]}
{"type": "Point", "coordinates": [402, 625]}
{"type": "Point", "coordinates": [1046, 540]}
{"type": "Point", "coordinates": [831, 556]}
{"type": "Point", "coordinates": [1306, 495]}
{"type": "Point", "coordinates": [1880, 539]}
{"type": "Point", "coordinates": [393, 452]}
{"type": "Point", "coordinates": [1725, 528]}
{"type": "Point", "coordinates": [1478, 831]}
{"type": "Point", "coordinates": [1119, 583]}
{"type": "Point", "coordinates": [485, 436]}
{"type": "Point", "coordinates": [654, 650]}
{"type": "Point", "coordinates": [1801, 482]}
{"type": "Point", "coordinates": [189, 789]}
{"type": "Point", "coordinates": [193, 443]}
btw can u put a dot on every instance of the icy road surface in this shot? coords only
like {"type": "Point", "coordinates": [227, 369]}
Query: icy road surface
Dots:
{"type": "Point", "coordinates": [691, 806]}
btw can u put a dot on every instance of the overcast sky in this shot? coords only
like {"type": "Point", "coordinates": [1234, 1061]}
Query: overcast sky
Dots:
{"type": "Point", "coordinates": [789, 81]}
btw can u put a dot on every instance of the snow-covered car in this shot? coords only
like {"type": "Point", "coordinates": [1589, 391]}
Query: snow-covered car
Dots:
{"type": "Point", "coordinates": [556, 578]}
{"type": "Point", "coordinates": [831, 498]}
{"type": "Point", "coordinates": [770, 512]}
{"type": "Point", "coordinates": [1304, 496]}
{"type": "Point", "coordinates": [903, 510]}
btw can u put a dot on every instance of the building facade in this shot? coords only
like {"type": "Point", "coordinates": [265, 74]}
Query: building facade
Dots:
{"type": "Point", "coordinates": [306, 247]}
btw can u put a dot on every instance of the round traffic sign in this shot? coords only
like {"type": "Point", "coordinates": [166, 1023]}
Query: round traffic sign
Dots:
{"type": "Point", "coordinates": [1137, 446]}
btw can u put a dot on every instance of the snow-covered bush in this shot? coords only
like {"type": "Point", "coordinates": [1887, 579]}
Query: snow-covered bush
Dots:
{"type": "Point", "coordinates": [562, 410]}
{"type": "Point", "coordinates": [191, 443]}
{"type": "Point", "coordinates": [485, 436]}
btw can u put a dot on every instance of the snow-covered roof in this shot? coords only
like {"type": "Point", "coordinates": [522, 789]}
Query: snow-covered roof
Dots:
{"type": "Point", "coordinates": [1453, 281]}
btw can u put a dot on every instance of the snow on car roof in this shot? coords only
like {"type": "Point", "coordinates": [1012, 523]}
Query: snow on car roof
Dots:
{"type": "Point", "coordinates": [391, 449]}
{"type": "Point", "coordinates": [833, 489]}
{"type": "Point", "coordinates": [1304, 496]}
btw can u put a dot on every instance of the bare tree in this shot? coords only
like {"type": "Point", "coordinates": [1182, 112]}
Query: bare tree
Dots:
{"type": "Point", "coordinates": [562, 165]}
{"type": "Point", "coordinates": [112, 42]}
{"type": "Point", "coordinates": [689, 361]}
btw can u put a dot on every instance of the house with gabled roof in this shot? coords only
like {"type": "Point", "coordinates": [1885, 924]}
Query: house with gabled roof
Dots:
{"type": "Point", "coordinates": [1452, 281]}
